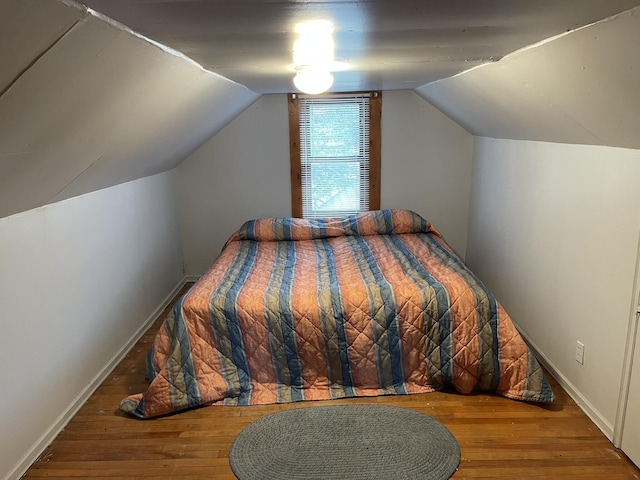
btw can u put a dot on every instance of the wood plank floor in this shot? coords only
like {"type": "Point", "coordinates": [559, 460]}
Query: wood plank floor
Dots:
{"type": "Point", "coordinates": [499, 438]}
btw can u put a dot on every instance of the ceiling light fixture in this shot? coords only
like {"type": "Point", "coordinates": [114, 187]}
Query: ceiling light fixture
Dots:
{"type": "Point", "coordinates": [312, 80]}
{"type": "Point", "coordinates": [313, 56]}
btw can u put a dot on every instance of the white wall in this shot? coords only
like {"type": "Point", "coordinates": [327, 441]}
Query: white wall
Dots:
{"type": "Point", "coordinates": [553, 233]}
{"type": "Point", "coordinates": [243, 173]}
{"type": "Point", "coordinates": [78, 279]}
{"type": "Point", "coordinates": [240, 174]}
{"type": "Point", "coordinates": [426, 164]}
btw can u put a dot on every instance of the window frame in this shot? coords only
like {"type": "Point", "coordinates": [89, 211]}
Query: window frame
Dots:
{"type": "Point", "coordinates": [375, 120]}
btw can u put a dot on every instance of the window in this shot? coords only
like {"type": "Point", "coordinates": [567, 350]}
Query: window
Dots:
{"type": "Point", "coordinates": [335, 153]}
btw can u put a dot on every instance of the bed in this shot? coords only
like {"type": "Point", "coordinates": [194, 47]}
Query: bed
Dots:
{"type": "Point", "coordinates": [312, 309]}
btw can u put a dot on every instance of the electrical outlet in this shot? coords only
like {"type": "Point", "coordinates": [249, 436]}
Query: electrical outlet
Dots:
{"type": "Point", "coordinates": [580, 353]}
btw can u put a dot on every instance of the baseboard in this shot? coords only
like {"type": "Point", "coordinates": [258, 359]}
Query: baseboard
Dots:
{"type": "Point", "coordinates": [192, 278]}
{"type": "Point", "coordinates": [574, 393]}
{"type": "Point", "coordinates": [52, 432]}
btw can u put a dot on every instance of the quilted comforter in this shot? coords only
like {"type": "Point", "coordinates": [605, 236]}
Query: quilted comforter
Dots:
{"type": "Point", "coordinates": [298, 309]}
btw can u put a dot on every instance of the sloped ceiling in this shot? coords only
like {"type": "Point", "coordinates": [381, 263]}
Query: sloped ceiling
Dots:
{"type": "Point", "coordinates": [28, 29]}
{"type": "Point", "coordinates": [90, 105]}
{"type": "Point", "coordinates": [386, 44]}
{"type": "Point", "coordinates": [580, 88]}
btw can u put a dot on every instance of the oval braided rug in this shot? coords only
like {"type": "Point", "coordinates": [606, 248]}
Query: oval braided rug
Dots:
{"type": "Point", "coordinates": [359, 441]}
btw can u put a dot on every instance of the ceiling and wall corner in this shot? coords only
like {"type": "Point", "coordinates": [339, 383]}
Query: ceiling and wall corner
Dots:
{"type": "Point", "coordinates": [578, 88]}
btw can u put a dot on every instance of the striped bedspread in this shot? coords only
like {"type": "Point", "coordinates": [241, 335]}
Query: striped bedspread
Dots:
{"type": "Point", "coordinates": [370, 304]}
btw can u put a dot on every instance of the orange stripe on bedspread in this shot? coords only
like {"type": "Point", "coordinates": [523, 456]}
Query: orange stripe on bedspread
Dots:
{"type": "Point", "coordinates": [264, 228]}
{"type": "Point", "coordinates": [309, 333]}
{"type": "Point", "coordinates": [402, 220]}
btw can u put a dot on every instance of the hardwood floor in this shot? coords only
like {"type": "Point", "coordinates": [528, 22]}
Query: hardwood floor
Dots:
{"type": "Point", "coordinates": [499, 438]}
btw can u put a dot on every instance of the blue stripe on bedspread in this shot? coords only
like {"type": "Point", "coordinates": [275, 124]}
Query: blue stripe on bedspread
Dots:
{"type": "Point", "coordinates": [339, 316]}
{"type": "Point", "coordinates": [444, 319]}
{"type": "Point", "coordinates": [362, 250]}
{"type": "Point", "coordinates": [288, 325]}
{"type": "Point", "coordinates": [233, 326]}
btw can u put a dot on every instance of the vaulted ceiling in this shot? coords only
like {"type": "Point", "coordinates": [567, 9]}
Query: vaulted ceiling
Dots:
{"type": "Point", "coordinates": [385, 44]}
{"type": "Point", "coordinates": [99, 94]}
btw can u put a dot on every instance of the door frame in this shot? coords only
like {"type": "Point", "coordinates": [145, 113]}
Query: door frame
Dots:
{"type": "Point", "coordinates": [630, 348]}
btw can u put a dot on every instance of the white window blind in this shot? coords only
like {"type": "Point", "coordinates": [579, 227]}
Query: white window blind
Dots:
{"type": "Point", "coordinates": [334, 154]}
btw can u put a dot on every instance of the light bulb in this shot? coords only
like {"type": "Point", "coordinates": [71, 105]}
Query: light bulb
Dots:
{"type": "Point", "coordinates": [313, 56]}
{"type": "Point", "coordinates": [312, 80]}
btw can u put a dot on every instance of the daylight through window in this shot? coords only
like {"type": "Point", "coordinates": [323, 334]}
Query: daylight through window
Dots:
{"type": "Point", "coordinates": [335, 153]}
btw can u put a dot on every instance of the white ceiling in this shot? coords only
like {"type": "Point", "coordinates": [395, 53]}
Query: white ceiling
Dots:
{"type": "Point", "coordinates": [389, 44]}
